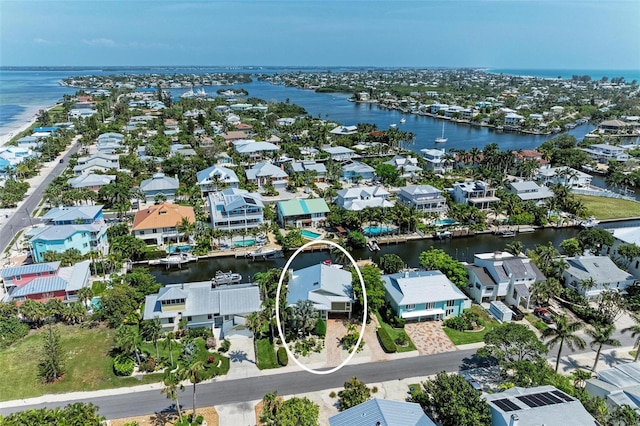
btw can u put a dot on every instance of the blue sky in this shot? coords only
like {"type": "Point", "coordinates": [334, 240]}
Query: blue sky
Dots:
{"type": "Point", "coordinates": [492, 33]}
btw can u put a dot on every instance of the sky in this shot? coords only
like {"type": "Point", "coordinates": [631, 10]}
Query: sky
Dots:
{"type": "Point", "coordinates": [542, 34]}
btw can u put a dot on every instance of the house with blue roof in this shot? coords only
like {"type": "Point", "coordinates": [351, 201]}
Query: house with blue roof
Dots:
{"type": "Point", "coordinates": [215, 178]}
{"type": "Point", "coordinates": [378, 411]}
{"type": "Point", "coordinates": [301, 213]}
{"type": "Point", "coordinates": [424, 295]}
{"type": "Point", "coordinates": [327, 287]}
{"type": "Point", "coordinates": [74, 215]}
{"type": "Point", "coordinates": [356, 171]}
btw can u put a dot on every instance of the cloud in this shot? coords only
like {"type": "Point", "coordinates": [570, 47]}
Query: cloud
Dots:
{"type": "Point", "coordinates": [39, 40]}
{"type": "Point", "coordinates": [105, 42]}
{"type": "Point", "coordinates": [144, 45]}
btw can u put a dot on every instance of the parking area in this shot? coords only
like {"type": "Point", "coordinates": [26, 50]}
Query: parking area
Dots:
{"type": "Point", "coordinates": [429, 337]}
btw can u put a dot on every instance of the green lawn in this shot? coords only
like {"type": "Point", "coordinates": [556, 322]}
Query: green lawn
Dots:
{"type": "Point", "coordinates": [536, 322]}
{"type": "Point", "coordinates": [466, 337]}
{"type": "Point", "coordinates": [609, 208]}
{"type": "Point", "coordinates": [266, 355]}
{"type": "Point", "coordinates": [89, 366]}
{"type": "Point", "coordinates": [394, 333]}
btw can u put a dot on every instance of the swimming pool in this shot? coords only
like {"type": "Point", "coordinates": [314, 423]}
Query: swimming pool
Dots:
{"type": "Point", "coordinates": [378, 230]}
{"type": "Point", "coordinates": [309, 234]}
{"type": "Point", "coordinates": [245, 243]}
{"type": "Point", "coordinates": [445, 222]}
{"type": "Point", "coordinates": [173, 249]}
{"type": "Point", "coordinates": [95, 302]}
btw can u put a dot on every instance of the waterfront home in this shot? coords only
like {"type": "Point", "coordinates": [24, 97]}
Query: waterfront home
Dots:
{"type": "Point", "coordinates": [436, 161]}
{"type": "Point", "coordinates": [356, 171]}
{"type": "Point", "coordinates": [378, 411]}
{"type": "Point", "coordinates": [476, 193]}
{"type": "Point", "coordinates": [423, 198]}
{"type": "Point", "coordinates": [16, 154]}
{"type": "Point", "coordinates": [528, 190]}
{"type": "Point", "coordinates": [503, 277]}
{"type": "Point", "coordinates": [202, 305]}
{"type": "Point", "coordinates": [358, 198]}
{"type": "Point", "coordinates": [529, 154]}
{"type": "Point", "coordinates": [603, 152]}
{"type": "Point", "coordinates": [215, 178]}
{"type": "Point", "coordinates": [253, 149]}
{"type": "Point", "coordinates": [437, 107]}
{"type": "Point", "coordinates": [423, 295]}
{"type": "Point", "coordinates": [541, 405]}
{"type": "Point", "coordinates": [591, 275]}
{"type": "Point", "coordinates": [564, 176]}
{"type": "Point", "coordinates": [97, 162]}
{"type": "Point", "coordinates": [60, 238]}
{"type": "Point", "coordinates": [161, 186]}
{"type": "Point", "coordinates": [302, 213]}
{"type": "Point", "coordinates": [328, 288]}
{"type": "Point", "coordinates": [340, 153]}
{"type": "Point", "coordinates": [513, 119]}
{"type": "Point", "coordinates": [264, 172]}
{"type": "Point", "coordinates": [318, 170]}
{"type": "Point", "coordinates": [6, 168]}
{"type": "Point", "coordinates": [44, 281]}
{"type": "Point", "coordinates": [344, 130]}
{"type": "Point", "coordinates": [30, 142]}
{"type": "Point", "coordinates": [406, 166]}
{"type": "Point", "coordinates": [159, 223]}
{"type": "Point", "coordinates": [613, 126]}
{"type": "Point", "coordinates": [618, 386]}
{"type": "Point", "coordinates": [91, 181]}
{"type": "Point", "coordinates": [232, 209]}
{"type": "Point", "coordinates": [627, 235]}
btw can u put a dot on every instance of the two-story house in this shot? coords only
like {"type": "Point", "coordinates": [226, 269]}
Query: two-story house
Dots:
{"type": "Point", "coordinates": [591, 275]}
{"type": "Point", "coordinates": [358, 198]}
{"type": "Point", "coordinates": [564, 176]}
{"type": "Point", "coordinates": [160, 186]}
{"type": "Point", "coordinates": [502, 276]}
{"type": "Point", "coordinates": [159, 223]}
{"type": "Point", "coordinates": [232, 209]}
{"type": "Point", "coordinates": [97, 162]}
{"type": "Point", "coordinates": [327, 287]}
{"type": "Point", "coordinates": [424, 295]}
{"type": "Point", "coordinates": [253, 149]}
{"type": "Point", "coordinates": [477, 194]}
{"type": "Point", "coordinates": [301, 213]}
{"type": "Point", "coordinates": [529, 191]}
{"type": "Point", "coordinates": [407, 166]}
{"type": "Point", "coordinates": [340, 153]}
{"type": "Point", "coordinates": [318, 170]}
{"type": "Point", "coordinates": [436, 162]}
{"type": "Point", "coordinates": [261, 173]}
{"type": "Point", "coordinates": [91, 181]}
{"type": "Point", "coordinates": [215, 178]}
{"type": "Point", "coordinates": [603, 152]}
{"type": "Point", "coordinates": [356, 171]}
{"type": "Point", "coordinates": [423, 198]}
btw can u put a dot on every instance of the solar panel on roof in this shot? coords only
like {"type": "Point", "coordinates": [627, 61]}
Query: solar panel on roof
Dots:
{"type": "Point", "coordinates": [562, 396]}
{"type": "Point", "coordinates": [543, 399]}
{"type": "Point", "coordinates": [506, 405]}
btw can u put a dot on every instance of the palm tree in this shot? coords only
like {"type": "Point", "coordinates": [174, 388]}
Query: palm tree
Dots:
{"type": "Point", "coordinates": [84, 295]}
{"type": "Point", "coordinates": [635, 332]}
{"type": "Point", "coordinates": [168, 343]}
{"type": "Point", "coordinates": [564, 332]}
{"type": "Point", "coordinates": [601, 335]}
{"type": "Point", "coordinates": [173, 384]}
{"type": "Point", "coordinates": [192, 373]}
{"type": "Point", "coordinates": [127, 340]}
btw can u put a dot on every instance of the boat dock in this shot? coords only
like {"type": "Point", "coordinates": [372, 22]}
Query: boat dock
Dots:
{"type": "Point", "coordinates": [174, 259]}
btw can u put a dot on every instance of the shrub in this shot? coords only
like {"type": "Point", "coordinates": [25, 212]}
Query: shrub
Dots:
{"type": "Point", "coordinates": [402, 339]}
{"type": "Point", "coordinates": [321, 328]}
{"type": "Point", "coordinates": [211, 343]}
{"type": "Point", "coordinates": [211, 359]}
{"type": "Point", "coordinates": [149, 366]}
{"type": "Point", "coordinates": [374, 389]}
{"type": "Point", "coordinates": [458, 323]}
{"type": "Point", "coordinates": [203, 332]}
{"type": "Point", "coordinates": [283, 359]}
{"type": "Point", "coordinates": [388, 345]}
{"type": "Point", "coordinates": [225, 345]}
{"type": "Point", "coordinates": [332, 394]}
{"type": "Point", "coordinates": [123, 365]}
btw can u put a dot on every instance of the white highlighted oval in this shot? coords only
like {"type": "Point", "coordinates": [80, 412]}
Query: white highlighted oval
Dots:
{"type": "Point", "coordinates": [364, 302]}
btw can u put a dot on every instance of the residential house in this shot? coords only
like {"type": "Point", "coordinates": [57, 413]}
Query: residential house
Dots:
{"type": "Point", "coordinates": [436, 161]}
{"type": "Point", "coordinates": [591, 275]}
{"type": "Point", "coordinates": [159, 223]}
{"type": "Point", "coordinates": [356, 171]}
{"type": "Point", "coordinates": [344, 130]}
{"type": "Point", "coordinates": [423, 295]}
{"type": "Point", "coordinates": [564, 176]}
{"type": "Point", "coordinates": [318, 170]}
{"type": "Point", "coordinates": [60, 238]}
{"type": "Point", "coordinates": [475, 193]}
{"type": "Point", "coordinates": [406, 166]}
{"type": "Point", "coordinates": [110, 143]}
{"type": "Point", "coordinates": [618, 386]}
{"type": "Point", "coordinates": [513, 119]}
{"type": "Point", "coordinates": [234, 135]}
{"type": "Point", "coordinates": [160, 187]}
{"type": "Point", "coordinates": [503, 277]}
{"type": "Point", "coordinates": [358, 198]}
{"type": "Point", "coordinates": [264, 172]}
{"type": "Point", "coordinates": [203, 304]}
{"type": "Point", "coordinates": [327, 287]}
{"type": "Point", "coordinates": [340, 153]}
{"type": "Point", "coordinates": [528, 154]}
{"type": "Point", "coordinates": [253, 149]}
{"type": "Point", "coordinates": [308, 152]}
{"type": "Point", "coordinates": [44, 281]}
{"type": "Point", "coordinates": [423, 198]}
{"type": "Point", "coordinates": [16, 154]}
{"type": "Point", "coordinates": [628, 235]}
{"type": "Point", "coordinates": [91, 181]}
{"type": "Point", "coordinates": [528, 190]}
{"type": "Point", "coordinates": [613, 126]}
{"type": "Point", "coordinates": [301, 213]}
{"type": "Point", "coordinates": [378, 411]}
{"type": "Point", "coordinates": [603, 152]}
{"type": "Point", "coordinates": [97, 162]}
{"type": "Point", "coordinates": [541, 405]}
{"type": "Point", "coordinates": [184, 150]}
{"type": "Point", "coordinates": [232, 209]}
{"type": "Point", "coordinates": [30, 142]}
{"type": "Point", "coordinates": [215, 178]}
{"type": "Point", "coordinates": [74, 215]}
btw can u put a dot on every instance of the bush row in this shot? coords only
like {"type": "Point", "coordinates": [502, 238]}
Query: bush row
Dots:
{"type": "Point", "coordinates": [386, 341]}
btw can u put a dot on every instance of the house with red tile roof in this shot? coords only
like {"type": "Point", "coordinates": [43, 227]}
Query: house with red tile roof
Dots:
{"type": "Point", "coordinates": [159, 223]}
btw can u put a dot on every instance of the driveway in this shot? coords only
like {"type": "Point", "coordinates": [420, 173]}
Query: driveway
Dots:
{"type": "Point", "coordinates": [241, 354]}
{"type": "Point", "coordinates": [429, 337]}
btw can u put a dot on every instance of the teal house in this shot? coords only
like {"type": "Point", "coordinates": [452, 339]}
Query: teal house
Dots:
{"type": "Point", "coordinates": [424, 295]}
{"type": "Point", "coordinates": [302, 213]}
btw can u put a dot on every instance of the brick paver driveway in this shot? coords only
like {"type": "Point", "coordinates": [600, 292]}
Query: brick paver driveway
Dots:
{"type": "Point", "coordinates": [429, 337]}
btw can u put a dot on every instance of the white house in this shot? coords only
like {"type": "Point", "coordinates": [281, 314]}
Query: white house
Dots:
{"type": "Point", "coordinates": [340, 153]}
{"type": "Point", "coordinates": [263, 172]}
{"type": "Point", "coordinates": [344, 130]}
{"type": "Point", "coordinates": [233, 209]}
{"type": "Point", "coordinates": [564, 176]}
{"type": "Point", "coordinates": [529, 191]}
{"type": "Point", "coordinates": [512, 119]}
{"type": "Point", "coordinates": [359, 198]}
{"type": "Point", "coordinates": [407, 166]}
{"type": "Point", "coordinates": [603, 152]}
{"type": "Point", "coordinates": [435, 159]}
{"type": "Point", "coordinates": [478, 194]}
{"type": "Point", "coordinates": [628, 235]}
{"type": "Point", "coordinates": [605, 274]}
{"type": "Point", "coordinates": [618, 386]}
{"type": "Point", "coordinates": [216, 177]}
{"type": "Point", "coordinates": [423, 198]}
{"type": "Point", "coordinates": [254, 149]}
{"type": "Point", "coordinates": [327, 287]}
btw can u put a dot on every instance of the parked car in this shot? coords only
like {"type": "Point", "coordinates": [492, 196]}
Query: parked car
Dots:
{"type": "Point", "coordinates": [517, 313]}
{"type": "Point", "coordinates": [543, 314]}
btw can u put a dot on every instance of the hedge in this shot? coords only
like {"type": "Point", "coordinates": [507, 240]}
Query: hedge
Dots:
{"type": "Point", "coordinates": [123, 365]}
{"type": "Point", "coordinates": [321, 328]}
{"type": "Point", "coordinates": [388, 345]}
{"type": "Point", "coordinates": [283, 359]}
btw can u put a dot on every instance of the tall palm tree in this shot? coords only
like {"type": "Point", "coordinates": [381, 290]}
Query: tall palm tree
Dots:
{"type": "Point", "coordinates": [173, 384]}
{"type": "Point", "coordinates": [191, 372]}
{"type": "Point", "coordinates": [564, 332]}
{"type": "Point", "coordinates": [601, 335]}
{"type": "Point", "coordinates": [635, 332]}
{"type": "Point", "coordinates": [84, 295]}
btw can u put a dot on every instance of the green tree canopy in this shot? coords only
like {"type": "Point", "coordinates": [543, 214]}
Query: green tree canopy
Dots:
{"type": "Point", "coordinates": [373, 284]}
{"type": "Point", "coordinates": [512, 342]}
{"type": "Point", "coordinates": [391, 263]}
{"type": "Point", "coordinates": [437, 259]}
{"type": "Point", "coordinates": [78, 413]}
{"type": "Point", "coordinates": [355, 392]}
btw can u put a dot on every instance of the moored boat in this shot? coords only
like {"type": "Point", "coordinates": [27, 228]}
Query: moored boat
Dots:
{"type": "Point", "coordinates": [226, 278]}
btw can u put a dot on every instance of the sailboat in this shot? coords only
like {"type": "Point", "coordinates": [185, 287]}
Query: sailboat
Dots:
{"type": "Point", "coordinates": [441, 139]}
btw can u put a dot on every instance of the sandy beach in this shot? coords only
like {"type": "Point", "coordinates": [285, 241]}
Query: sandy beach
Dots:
{"type": "Point", "coordinates": [21, 123]}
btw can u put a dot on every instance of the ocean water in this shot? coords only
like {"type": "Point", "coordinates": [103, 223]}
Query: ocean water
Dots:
{"type": "Point", "coordinates": [629, 75]}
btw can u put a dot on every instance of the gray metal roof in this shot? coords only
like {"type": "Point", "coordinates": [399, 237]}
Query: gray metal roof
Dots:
{"type": "Point", "coordinates": [30, 269]}
{"type": "Point", "coordinates": [264, 170]}
{"type": "Point", "coordinates": [159, 182]}
{"type": "Point", "coordinates": [319, 283]}
{"type": "Point", "coordinates": [600, 268]}
{"type": "Point", "coordinates": [416, 287]}
{"type": "Point", "coordinates": [72, 213]}
{"type": "Point", "coordinates": [224, 174]}
{"type": "Point", "coordinates": [62, 232]}
{"type": "Point", "coordinates": [385, 412]}
{"type": "Point", "coordinates": [40, 285]}
{"type": "Point", "coordinates": [171, 293]}
{"type": "Point", "coordinates": [420, 190]}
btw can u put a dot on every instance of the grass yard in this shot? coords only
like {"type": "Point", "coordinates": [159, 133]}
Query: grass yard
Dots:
{"type": "Point", "coordinates": [266, 355]}
{"type": "Point", "coordinates": [466, 337]}
{"type": "Point", "coordinates": [536, 322]}
{"type": "Point", "coordinates": [609, 208]}
{"type": "Point", "coordinates": [88, 365]}
{"type": "Point", "coordinates": [394, 333]}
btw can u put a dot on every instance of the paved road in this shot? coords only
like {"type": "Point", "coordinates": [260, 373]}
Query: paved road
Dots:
{"type": "Point", "coordinates": [236, 391]}
{"type": "Point", "coordinates": [22, 217]}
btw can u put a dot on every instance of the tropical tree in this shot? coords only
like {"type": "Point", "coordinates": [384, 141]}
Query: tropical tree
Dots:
{"type": "Point", "coordinates": [601, 335]}
{"type": "Point", "coordinates": [172, 384]}
{"type": "Point", "coordinates": [542, 291]}
{"type": "Point", "coordinates": [151, 331]}
{"type": "Point", "coordinates": [192, 372]}
{"type": "Point", "coordinates": [355, 392]}
{"type": "Point", "coordinates": [391, 263]}
{"type": "Point", "coordinates": [511, 342]}
{"type": "Point", "coordinates": [127, 340]}
{"type": "Point", "coordinates": [85, 294]}
{"type": "Point", "coordinates": [51, 366]}
{"type": "Point", "coordinates": [564, 332]}
{"type": "Point", "coordinates": [635, 332]}
{"type": "Point", "coordinates": [515, 248]}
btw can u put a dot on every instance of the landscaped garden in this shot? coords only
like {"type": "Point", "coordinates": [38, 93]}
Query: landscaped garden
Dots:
{"type": "Point", "coordinates": [400, 337]}
{"type": "Point", "coordinates": [484, 322]}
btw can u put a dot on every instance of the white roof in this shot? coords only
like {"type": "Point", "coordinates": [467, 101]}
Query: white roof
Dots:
{"type": "Point", "coordinates": [416, 287]}
{"type": "Point", "coordinates": [629, 235]}
{"type": "Point", "coordinates": [321, 284]}
{"type": "Point", "coordinates": [600, 268]}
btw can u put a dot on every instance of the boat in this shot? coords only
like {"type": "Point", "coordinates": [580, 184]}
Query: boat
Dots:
{"type": "Point", "coordinates": [508, 234]}
{"type": "Point", "coordinates": [177, 258]}
{"type": "Point", "coordinates": [226, 278]}
{"type": "Point", "coordinates": [403, 120]}
{"type": "Point", "coordinates": [441, 139]}
{"type": "Point", "coordinates": [188, 94]}
{"type": "Point", "coordinates": [590, 222]}
{"type": "Point", "coordinates": [263, 253]}
{"type": "Point", "coordinates": [441, 235]}
{"type": "Point", "coordinates": [200, 93]}
{"type": "Point", "coordinates": [393, 125]}
{"type": "Point", "coordinates": [328, 262]}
